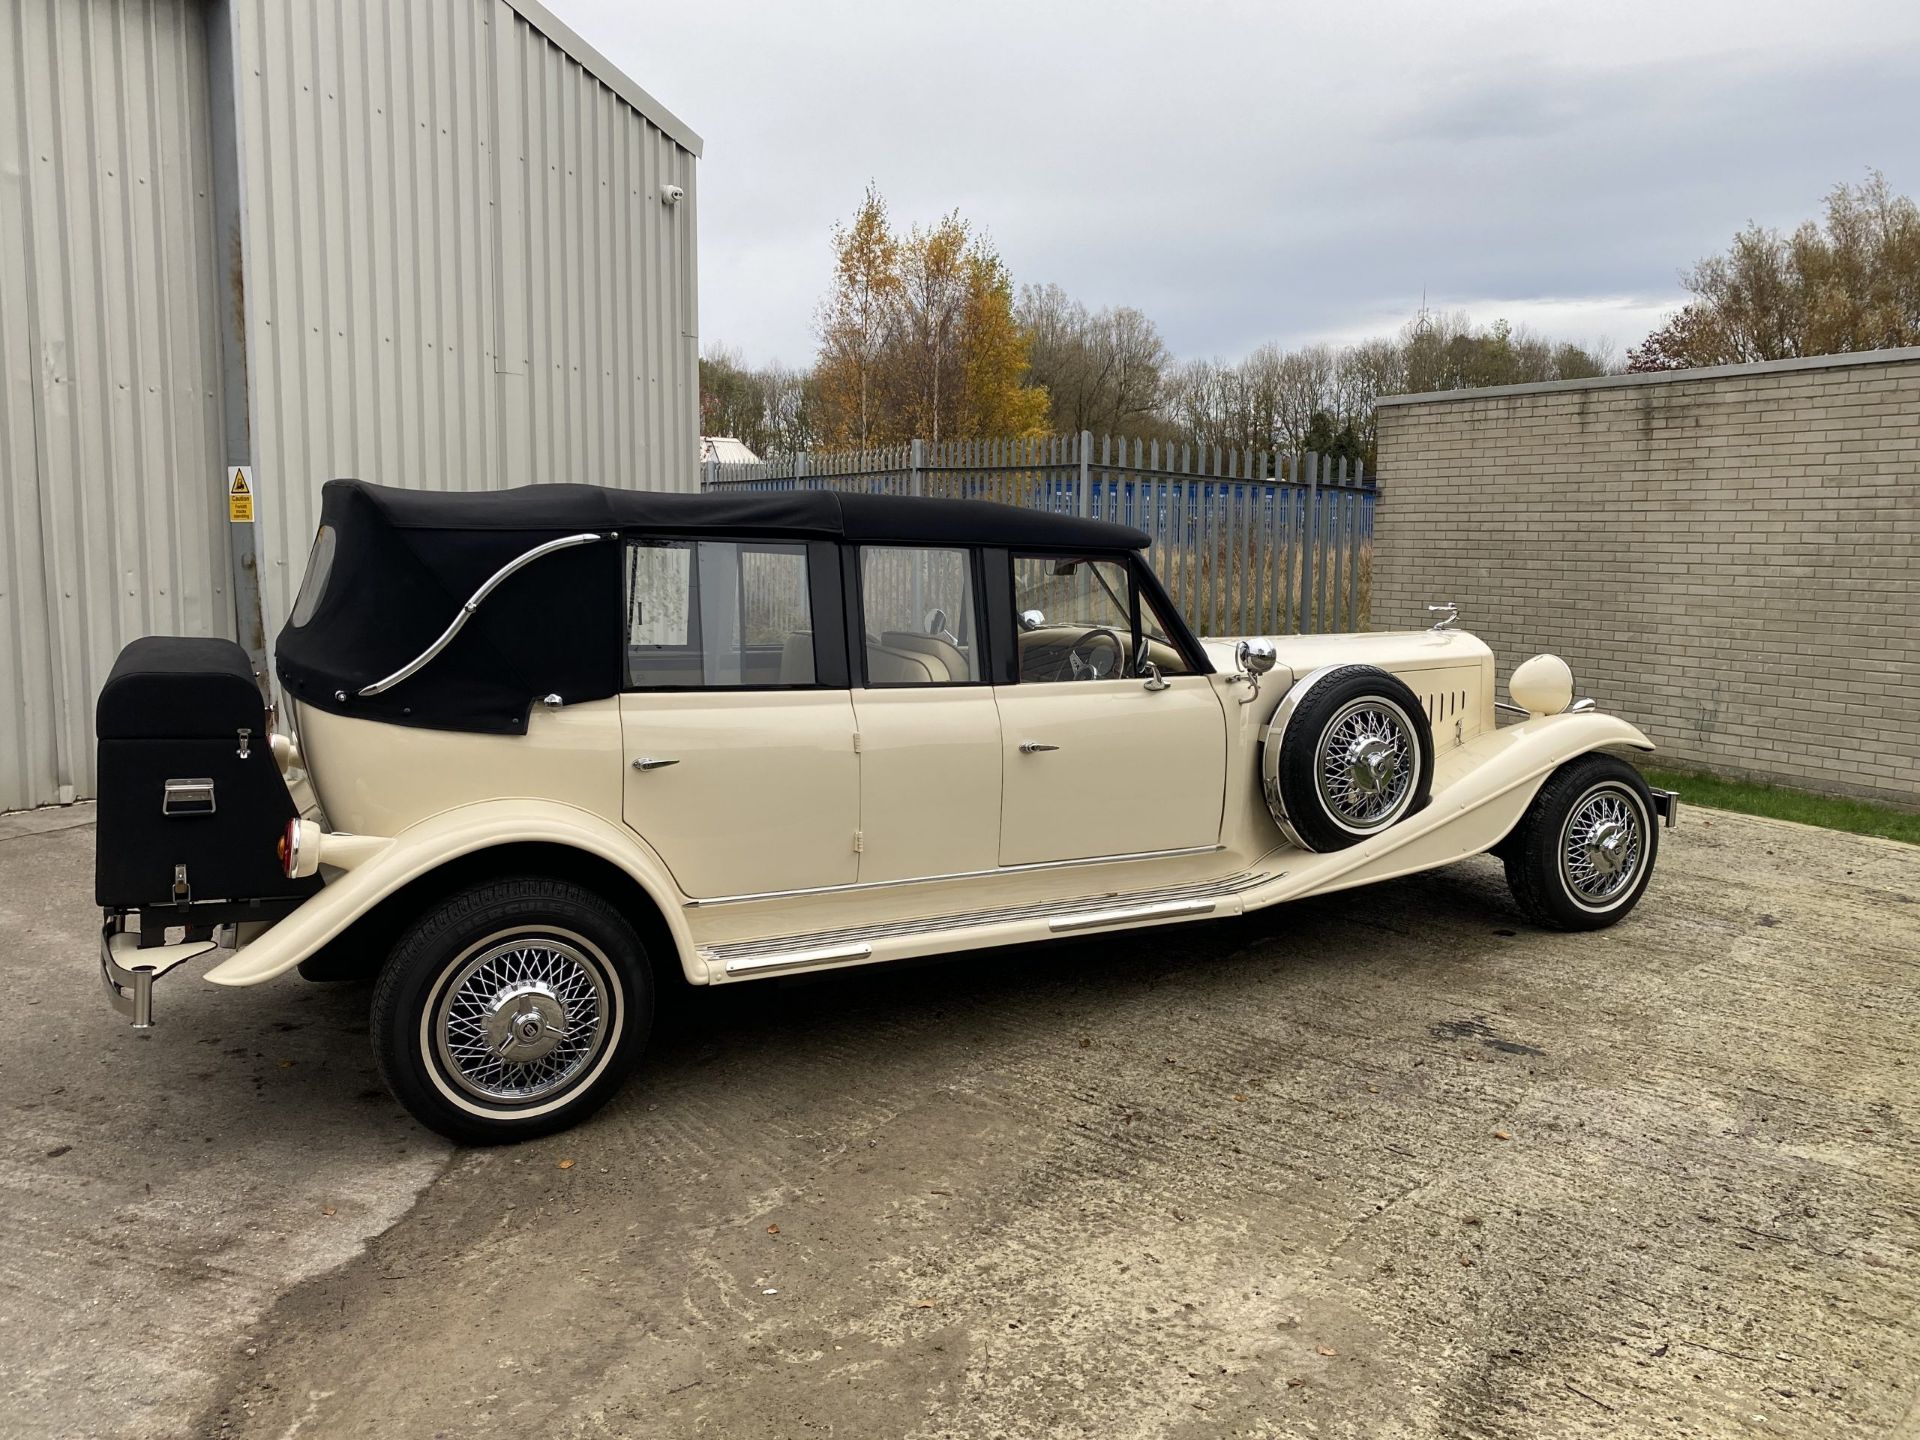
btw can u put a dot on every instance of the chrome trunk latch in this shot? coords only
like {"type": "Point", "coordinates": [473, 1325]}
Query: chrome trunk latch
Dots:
{"type": "Point", "coordinates": [182, 892]}
{"type": "Point", "coordinates": [246, 744]}
{"type": "Point", "coordinates": [188, 797]}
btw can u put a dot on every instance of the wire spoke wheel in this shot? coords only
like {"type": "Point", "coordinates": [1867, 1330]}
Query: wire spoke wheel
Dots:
{"type": "Point", "coordinates": [1601, 845]}
{"type": "Point", "coordinates": [1366, 764]}
{"type": "Point", "coordinates": [520, 1019]}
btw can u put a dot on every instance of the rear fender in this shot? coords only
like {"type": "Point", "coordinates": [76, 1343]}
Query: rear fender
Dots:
{"type": "Point", "coordinates": [420, 849]}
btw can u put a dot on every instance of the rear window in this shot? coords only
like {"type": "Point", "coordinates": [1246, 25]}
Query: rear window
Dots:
{"type": "Point", "coordinates": [319, 567]}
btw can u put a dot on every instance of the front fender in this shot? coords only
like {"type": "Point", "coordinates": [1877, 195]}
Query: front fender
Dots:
{"type": "Point", "coordinates": [1481, 790]}
{"type": "Point", "coordinates": [420, 849]}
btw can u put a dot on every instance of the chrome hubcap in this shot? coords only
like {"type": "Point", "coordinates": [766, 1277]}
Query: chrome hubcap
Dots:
{"type": "Point", "coordinates": [525, 1024]}
{"type": "Point", "coordinates": [1600, 850]}
{"type": "Point", "coordinates": [1367, 764]}
{"type": "Point", "coordinates": [522, 1019]}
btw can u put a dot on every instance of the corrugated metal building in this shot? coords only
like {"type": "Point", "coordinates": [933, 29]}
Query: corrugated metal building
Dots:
{"type": "Point", "coordinates": [437, 243]}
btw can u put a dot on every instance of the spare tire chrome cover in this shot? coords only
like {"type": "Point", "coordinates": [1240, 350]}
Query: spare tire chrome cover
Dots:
{"type": "Point", "coordinates": [1371, 758]}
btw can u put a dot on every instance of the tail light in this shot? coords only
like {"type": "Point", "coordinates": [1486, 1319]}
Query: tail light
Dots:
{"type": "Point", "coordinates": [288, 849]}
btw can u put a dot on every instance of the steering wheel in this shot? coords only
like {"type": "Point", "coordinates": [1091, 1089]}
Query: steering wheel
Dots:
{"type": "Point", "coordinates": [1081, 663]}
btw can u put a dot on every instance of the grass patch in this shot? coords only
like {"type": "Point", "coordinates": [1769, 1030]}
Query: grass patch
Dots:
{"type": "Point", "coordinates": [1856, 817]}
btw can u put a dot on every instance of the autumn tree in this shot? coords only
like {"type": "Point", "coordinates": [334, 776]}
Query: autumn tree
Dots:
{"type": "Point", "coordinates": [1849, 282]}
{"type": "Point", "coordinates": [857, 321]}
{"type": "Point", "coordinates": [919, 338]}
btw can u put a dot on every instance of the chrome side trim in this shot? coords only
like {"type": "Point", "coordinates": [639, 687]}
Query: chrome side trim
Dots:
{"type": "Point", "coordinates": [1093, 919]}
{"type": "Point", "coordinates": [487, 587]}
{"type": "Point", "coordinates": [786, 960]}
{"type": "Point", "coordinates": [1206, 892]}
{"type": "Point", "coordinates": [1512, 709]}
{"type": "Point", "coordinates": [954, 875]}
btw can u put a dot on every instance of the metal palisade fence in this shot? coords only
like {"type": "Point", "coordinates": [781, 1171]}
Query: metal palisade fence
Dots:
{"type": "Point", "coordinates": [1247, 542]}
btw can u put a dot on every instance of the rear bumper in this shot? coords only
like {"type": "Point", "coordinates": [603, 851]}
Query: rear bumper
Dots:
{"type": "Point", "coordinates": [127, 971]}
{"type": "Point", "coordinates": [1666, 804]}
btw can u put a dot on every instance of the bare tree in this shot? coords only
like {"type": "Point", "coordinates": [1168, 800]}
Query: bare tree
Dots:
{"type": "Point", "coordinates": [1103, 369]}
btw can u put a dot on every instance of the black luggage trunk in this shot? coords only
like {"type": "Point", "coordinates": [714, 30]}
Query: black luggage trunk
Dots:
{"type": "Point", "coordinates": [192, 805]}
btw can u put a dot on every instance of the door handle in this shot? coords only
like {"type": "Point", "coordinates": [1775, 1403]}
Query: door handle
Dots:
{"type": "Point", "coordinates": [647, 762]}
{"type": "Point", "coordinates": [1035, 747]}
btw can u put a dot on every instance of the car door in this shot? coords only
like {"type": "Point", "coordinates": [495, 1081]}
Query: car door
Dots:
{"type": "Point", "coordinates": [1099, 755]}
{"type": "Point", "coordinates": [929, 728]}
{"type": "Point", "coordinates": [737, 719]}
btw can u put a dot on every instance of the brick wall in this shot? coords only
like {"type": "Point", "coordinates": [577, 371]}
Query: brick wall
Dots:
{"type": "Point", "coordinates": [1729, 558]}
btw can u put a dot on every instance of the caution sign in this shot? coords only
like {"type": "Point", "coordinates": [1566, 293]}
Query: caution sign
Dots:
{"type": "Point", "coordinates": [240, 495]}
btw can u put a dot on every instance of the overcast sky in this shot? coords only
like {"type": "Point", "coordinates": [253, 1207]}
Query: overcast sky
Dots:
{"type": "Point", "coordinates": [1252, 172]}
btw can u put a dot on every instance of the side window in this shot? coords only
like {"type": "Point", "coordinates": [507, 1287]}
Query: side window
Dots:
{"type": "Point", "coordinates": [1076, 621]}
{"type": "Point", "coordinates": [918, 614]}
{"type": "Point", "coordinates": [717, 614]}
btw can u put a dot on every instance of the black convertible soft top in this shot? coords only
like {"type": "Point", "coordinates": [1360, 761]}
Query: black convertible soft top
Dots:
{"type": "Point", "coordinates": [399, 565]}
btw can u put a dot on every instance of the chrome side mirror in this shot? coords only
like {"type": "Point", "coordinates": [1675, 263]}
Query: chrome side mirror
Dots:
{"type": "Point", "coordinates": [1032, 619]}
{"type": "Point", "coordinates": [1255, 658]}
{"type": "Point", "coordinates": [1155, 680]}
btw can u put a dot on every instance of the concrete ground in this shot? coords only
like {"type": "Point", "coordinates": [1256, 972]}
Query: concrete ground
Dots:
{"type": "Point", "coordinates": [1389, 1164]}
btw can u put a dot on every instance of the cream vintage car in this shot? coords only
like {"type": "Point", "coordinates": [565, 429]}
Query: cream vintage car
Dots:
{"type": "Point", "coordinates": [542, 751]}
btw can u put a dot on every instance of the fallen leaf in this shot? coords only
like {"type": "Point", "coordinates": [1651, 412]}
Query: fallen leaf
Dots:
{"type": "Point", "coordinates": [1501, 1135]}
{"type": "Point", "coordinates": [1466, 1262]}
{"type": "Point", "coordinates": [1295, 1384]}
{"type": "Point", "coordinates": [1326, 1350]}
{"type": "Point", "coordinates": [1240, 1099]}
{"type": "Point", "coordinates": [923, 1304]}
{"type": "Point", "coordinates": [286, 1064]}
{"type": "Point", "coordinates": [566, 1164]}
{"type": "Point", "coordinates": [773, 1229]}
{"type": "Point", "coordinates": [1373, 1089]}
{"type": "Point", "coordinates": [1085, 1043]}
{"type": "Point", "coordinates": [328, 1210]}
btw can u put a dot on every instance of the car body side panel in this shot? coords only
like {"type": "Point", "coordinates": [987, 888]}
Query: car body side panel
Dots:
{"type": "Point", "coordinates": [1108, 767]}
{"type": "Point", "coordinates": [929, 781]}
{"type": "Point", "coordinates": [378, 779]}
{"type": "Point", "coordinates": [434, 842]}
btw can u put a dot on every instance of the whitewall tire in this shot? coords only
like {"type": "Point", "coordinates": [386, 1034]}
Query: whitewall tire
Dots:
{"type": "Point", "coordinates": [1583, 854]}
{"type": "Point", "coordinates": [1348, 754]}
{"type": "Point", "coordinates": [512, 1009]}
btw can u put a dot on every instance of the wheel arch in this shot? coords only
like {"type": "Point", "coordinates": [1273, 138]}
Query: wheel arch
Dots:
{"type": "Point", "coordinates": [357, 952]}
{"type": "Point", "coordinates": [364, 909]}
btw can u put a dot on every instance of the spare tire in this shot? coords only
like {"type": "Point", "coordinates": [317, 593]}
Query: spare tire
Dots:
{"type": "Point", "coordinates": [1348, 754]}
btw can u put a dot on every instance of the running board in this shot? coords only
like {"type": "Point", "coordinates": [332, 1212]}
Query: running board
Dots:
{"type": "Point", "coordinates": [1093, 919]}
{"type": "Point", "coordinates": [1085, 912]}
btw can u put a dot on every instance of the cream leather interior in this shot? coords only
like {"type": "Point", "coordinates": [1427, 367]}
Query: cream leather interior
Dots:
{"type": "Point", "coordinates": [946, 661]}
{"type": "Point", "coordinates": [899, 657]}
{"type": "Point", "coordinates": [796, 659]}
{"type": "Point", "coordinates": [887, 666]}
